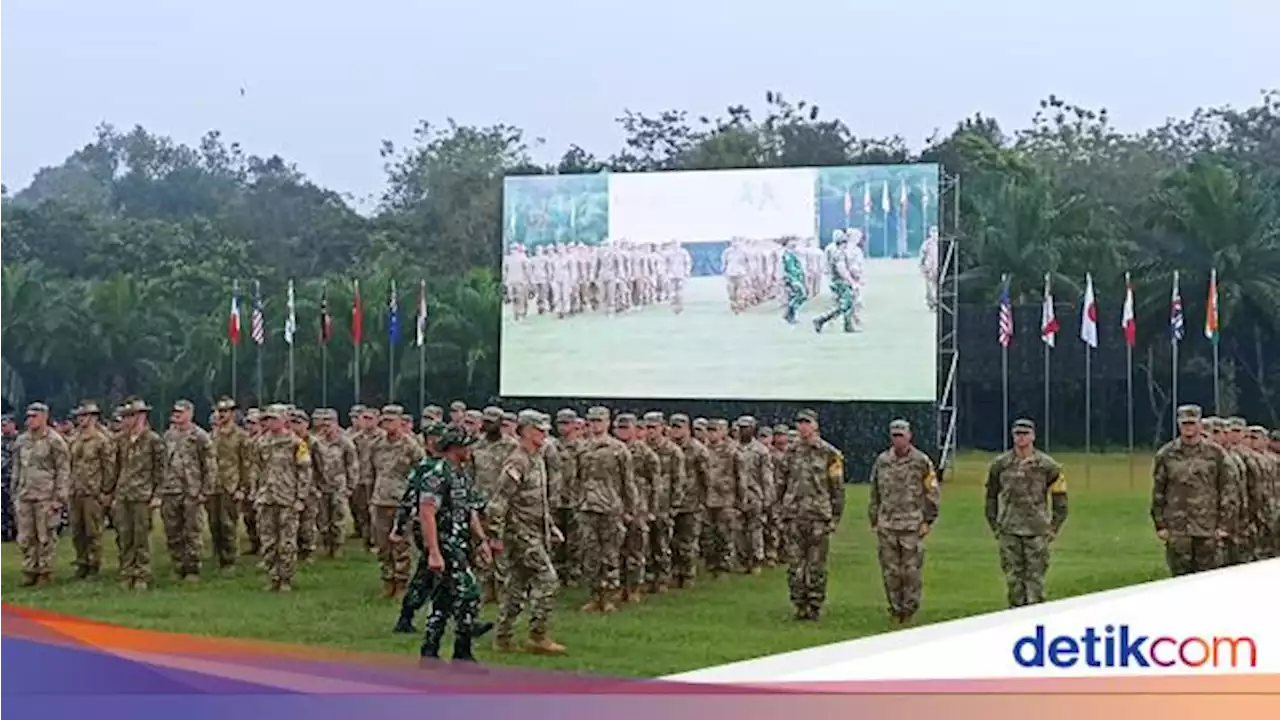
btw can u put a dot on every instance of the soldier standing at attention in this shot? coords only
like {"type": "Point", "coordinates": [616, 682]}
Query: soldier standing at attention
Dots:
{"type": "Point", "coordinates": [1251, 477]}
{"type": "Point", "coordinates": [509, 424]}
{"type": "Point", "coordinates": [812, 503]}
{"type": "Point", "coordinates": [687, 498]}
{"type": "Point", "coordinates": [365, 438]}
{"type": "Point", "coordinates": [473, 423]}
{"type": "Point", "coordinates": [755, 469]}
{"type": "Point", "coordinates": [1026, 507]}
{"type": "Point", "coordinates": [1194, 503]}
{"type": "Point", "coordinates": [487, 455]}
{"type": "Point", "coordinates": [520, 515]}
{"type": "Point", "coordinates": [635, 544]}
{"type": "Point", "coordinates": [300, 425]}
{"type": "Point", "coordinates": [254, 427]}
{"type": "Point", "coordinates": [233, 457]}
{"type": "Point", "coordinates": [93, 466]}
{"type": "Point", "coordinates": [284, 464]}
{"type": "Point", "coordinates": [773, 530]}
{"type": "Point", "coordinates": [359, 501]}
{"type": "Point", "coordinates": [141, 457]}
{"type": "Point", "coordinates": [1267, 506]}
{"type": "Point", "coordinates": [608, 503]}
{"type": "Point", "coordinates": [334, 456]}
{"type": "Point", "coordinates": [189, 479]}
{"type": "Point", "coordinates": [457, 413]}
{"type": "Point", "coordinates": [670, 475]}
{"type": "Point", "coordinates": [902, 510]}
{"type": "Point", "coordinates": [726, 492]}
{"type": "Point", "coordinates": [393, 455]}
{"type": "Point", "coordinates": [564, 497]}
{"type": "Point", "coordinates": [41, 484]}
{"type": "Point", "coordinates": [8, 434]}
{"type": "Point", "coordinates": [448, 507]}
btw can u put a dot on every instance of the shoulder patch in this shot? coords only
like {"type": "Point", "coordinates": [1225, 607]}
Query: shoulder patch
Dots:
{"type": "Point", "coordinates": [931, 477]}
{"type": "Point", "coordinates": [303, 453]}
{"type": "Point", "coordinates": [1059, 486]}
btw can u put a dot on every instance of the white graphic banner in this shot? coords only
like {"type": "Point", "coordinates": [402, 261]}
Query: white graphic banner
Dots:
{"type": "Point", "coordinates": [1223, 622]}
{"type": "Point", "coordinates": [712, 205]}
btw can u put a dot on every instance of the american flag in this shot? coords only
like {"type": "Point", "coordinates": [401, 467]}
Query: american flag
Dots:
{"type": "Point", "coordinates": [1006, 316]}
{"type": "Point", "coordinates": [258, 331]}
{"type": "Point", "coordinates": [1176, 324]}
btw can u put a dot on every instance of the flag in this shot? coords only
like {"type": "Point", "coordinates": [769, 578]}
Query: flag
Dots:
{"type": "Point", "coordinates": [1048, 318]}
{"type": "Point", "coordinates": [848, 205]}
{"type": "Point", "coordinates": [233, 320]}
{"type": "Point", "coordinates": [1211, 309]}
{"type": "Point", "coordinates": [1175, 312]}
{"type": "Point", "coordinates": [866, 198]}
{"type": "Point", "coordinates": [393, 317]}
{"type": "Point", "coordinates": [326, 321]}
{"type": "Point", "coordinates": [290, 319]}
{"type": "Point", "coordinates": [1006, 316]}
{"type": "Point", "coordinates": [357, 317]}
{"type": "Point", "coordinates": [259, 326]}
{"type": "Point", "coordinates": [1089, 314]}
{"type": "Point", "coordinates": [903, 198]}
{"type": "Point", "coordinates": [884, 197]}
{"type": "Point", "coordinates": [1127, 321]}
{"type": "Point", "coordinates": [422, 313]}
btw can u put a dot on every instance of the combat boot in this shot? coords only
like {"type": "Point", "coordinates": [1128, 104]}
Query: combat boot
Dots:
{"type": "Point", "coordinates": [462, 649]}
{"type": "Point", "coordinates": [285, 586]}
{"type": "Point", "coordinates": [480, 628]}
{"type": "Point", "coordinates": [608, 604]}
{"type": "Point", "coordinates": [43, 580]}
{"type": "Point", "coordinates": [592, 605]}
{"type": "Point", "coordinates": [273, 586]}
{"type": "Point", "coordinates": [28, 579]}
{"type": "Point", "coordinates": [388, 589]}
{"type": "Point", "coordinates": [545, 646]}
{"type": "Point", "coordinates": [430, 646]}
{"type": "Point", "coordinates": [504, 645]}
{"type": "Point", "coordinates": [82, 572]}
{"type": "Point", "coordinates": [404, 625]}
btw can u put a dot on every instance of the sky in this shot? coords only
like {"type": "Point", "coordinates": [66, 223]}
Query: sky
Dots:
{"type": "Point", "coordinates": [326, 81]}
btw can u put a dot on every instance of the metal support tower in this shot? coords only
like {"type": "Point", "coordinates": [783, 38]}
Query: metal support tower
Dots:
{"type": "Point", "coordinates": [948, 315]}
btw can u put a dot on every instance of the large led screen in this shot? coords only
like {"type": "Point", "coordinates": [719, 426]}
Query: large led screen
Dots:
{"type": "Point", "coordinates": [771, 284]}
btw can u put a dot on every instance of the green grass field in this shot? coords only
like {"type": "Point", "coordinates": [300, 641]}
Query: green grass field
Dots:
{"type": "Point", "coordinates": [654, 353]}
{"type": "Point", "coordinates": [1107, 543]}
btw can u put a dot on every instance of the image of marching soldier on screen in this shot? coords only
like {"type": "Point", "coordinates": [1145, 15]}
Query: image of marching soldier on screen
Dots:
{"type": "Point", "coordinates": [650, 284]}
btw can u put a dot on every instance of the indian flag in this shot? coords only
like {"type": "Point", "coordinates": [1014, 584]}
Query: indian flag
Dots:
{"type": "Point", "coordinates": [1211, 309]}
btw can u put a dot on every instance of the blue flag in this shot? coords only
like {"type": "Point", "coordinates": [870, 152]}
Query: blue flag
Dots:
{"type": "Point", "coordinates": [393, 317]}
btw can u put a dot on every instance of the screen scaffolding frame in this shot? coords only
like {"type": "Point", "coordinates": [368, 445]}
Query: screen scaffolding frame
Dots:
{"type": "Point", "coordinates": [948, 296]}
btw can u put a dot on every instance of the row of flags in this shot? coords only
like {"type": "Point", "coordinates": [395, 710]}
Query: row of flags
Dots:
{"type": "Point", "coordinates": [884, 198]}
{"type": "Point", "coordinates": [1089, 314]}
{"type": "Point", "coordinates": [258, 326]}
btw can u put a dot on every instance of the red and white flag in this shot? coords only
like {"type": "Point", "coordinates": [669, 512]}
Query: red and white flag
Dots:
{"type": "Point", "coordinates": [233, 321]}
{"type": "Point", "coordinates": [1127, 321]}
{"type": "Point", "coordinates": [1048, 319]}
{"type": "Point", "coordinates": [1089, 314]}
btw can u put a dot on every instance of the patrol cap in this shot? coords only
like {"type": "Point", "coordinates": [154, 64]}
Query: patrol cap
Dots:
{"type": "Point", "coordinates": [184, 405]}
{"type": "Point", "coordinates": [1236, 423]}
{"type": "Point", "coordinates": [1024, 425]}
{"type": "Point", "coordinates": [392, 412]}
{"type": "Point", "coordinates": [1189, 413]}
{"type": "Point", "coordinates": [37, 407]}
{"type": "Point", "coordinates": [1275, 434]}
{"type": "Point", "coordinates": [276, 410]}
{"type": "Point", "coordinates": [1213, 422]}
{"type": "Point", "coordinates": [781, 428]}
{"type": "Point", "coordinates": [6, 418]}
{"type": "Point", "coordinates": [700, 423]}
{"type": "Point", "coordinates": [433, 411]}
{"type": "Point", "coordinates": [137, 405]}
{"type": "Point", "coordinates": [720, 423]}
{"type": "Point", "coordinates": [88, 407]}
{"type": "Point", "coordinates": [653, 418]}
{"type": "Point", "coordinates": [452, 437]}
{"type": "Point", "coordinates": [474, 415]}
{"type": "Point", "coordinates": [512, 417]}
{"type": "Point", "coordinates": [252, 415]}
{"type": "Point", "coordinates": [807, 415]}
{"type": "Point", "coordinates": [356, 410]}
{"type": "Point", "coordinates": [296, 415]}
{"type": "Point", "coordinates": [679, 420]}
{"type": "Point", "coordinates": [324, 414]}
{"type": "Point", "coordinates": [458, 406]}
{"type": "Point", "coordinates": [625, 420]}
{"type": "Point", "coordinates": [565, 415]}
{"type": "Point", "coordinates": [599, 412]}
{"type": "Point", "coordinates": [225, 403]}
{"type": "Point", "coordinates": [533, 418]}
{"type": "Point", "coordinates": [745, 421]}
{"type": "Point", "coordinates": [899, 427]}
{"type": "Point", "coordinates": [765, 431]}
{"type": "Point", "coordinates": [493, 412]}
{"type": "Point", "coordinates": [1257, 431]}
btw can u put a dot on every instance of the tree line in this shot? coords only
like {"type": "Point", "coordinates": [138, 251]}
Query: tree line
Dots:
{"type": "Point", "coordinates": [118, 262]}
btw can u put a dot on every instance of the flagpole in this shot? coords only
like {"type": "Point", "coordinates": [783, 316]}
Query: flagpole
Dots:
{"type": "Point", "coordinates": [1046, 422]}
{"type": "Point", "coordinates": [356, 308]}
{"type": "Point", "coordinates": [1004, 379]}
{"type": "Point", "coordinates": [422, 344]}
{"type": "Point", "coordinates": [292, 328]}
{"type": "Point", "coordinates": [235, 301]}
{"type": "Point", "coordinates": [1173, 404]}
{"type": "Point", "coordinates": [324, 375]}
{"type": "Point", "coordinates": [391, 345]}
{"type": "Point", "coordinates": [257, 310]}
{"type": "Point", "coordinates": [1088, 412]}
{"type": "Point", "coordinates": [1128, 356]}
{"type": "Point", "coordinates": [1213, 308]}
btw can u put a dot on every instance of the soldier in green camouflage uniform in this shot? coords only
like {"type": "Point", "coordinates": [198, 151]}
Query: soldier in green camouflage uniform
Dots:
{"type": "Point", "coordinates": [233, 457]}
{"type": "Point", "coordinates": [1241, 546]}
{"type": "Point", "coordinates": [793, 279]}
{"type": "Point", "coordinates": [755, 468]}
{"type": "Point", "coordinates": [448, 510]}
{"type": "Point", "coordinates": [284, 479]}
{"type": "Point", "coordinates": [773, 530]}
{"type": "Point", "coordinates": [93, 460]}
{"type": "Point", "coordinates": [1026, 507]}
{"type": "Point", "coordinates": [1267, 506]}
{"type": "Point", "coordinates": [812, 485]}
{"type": "Point", "coordinates": [568, 554]}
{"type": "Point", "coordinates": [842, 284]}
{"type": "Point", "coordinates": [726, 492]}
{"type": "Point", "coordinates": [189, 480]}
{"type": "Point", "coordinates": [635, 545]}
{"type": "Point", "coordinates": [520, 514]}
{"type": "Point", "coordinates": [670, 475]}
{"type": "Point", "coordinates": [1194, 500]}
{"type": "Point", "coordinates": [687, 502]}
{"type": "Point", "coordinates": [902, 511]}
{"type": "Point", "coordinates": [608, 501]}
{"type": "Point", "coordinates": [41, 487]}
{"type": "Point", "coordinates": [140, 464]}
{"type": "Point", "coordinates": [254, 426]}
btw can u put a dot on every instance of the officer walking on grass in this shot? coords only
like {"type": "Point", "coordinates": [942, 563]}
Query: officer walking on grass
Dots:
{"type": "Point", "coordinates": [1026, 507]}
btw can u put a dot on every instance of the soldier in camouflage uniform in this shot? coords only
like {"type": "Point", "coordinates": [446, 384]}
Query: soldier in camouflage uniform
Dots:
{"type": "Point", "coordinates": [520, 514]}
{"type": "Point", "coordinates": [1194, 501]}
{"type": "Point", "coordinates": [902, 510]}
{"type": "Point", "coordinates": [422, 583]}
{"type": "Point", "coordinates": [334, 458]}
{"type": "Point", "coordinates": [300, 425]}
{"type": "Point", "coordinates": [93, 466]}
{"type": "Point", "coordinates": [774, 532]}
{"type": "Point", "coordinates": [233, 456]}
{"type": "Point", "coordinates": [1240, 547]}
{"type": "Point", "coordinates": [687, 500]}
{"type": "Point", "coordinates": [608, 504]}
{"type": "Point", "coordinates": [793, 279]}
{"type": "Point", "coordinates": [1267, 505]}
{"type": "Point", "coordinates": [812, 485]}
{"type": "Point", "coordinates": [755, 470]}
{"type": "Point", "coordinates": [284, 475]}
{"type": "Point", "coordinates": [141, 457]}
{"type": "Point", "coordinates": [564, 497]}
{"type": "Point", "coordinates": [393, 455]}
{"type": "Point", "coordinates": [448, 505]}
{"type": "Point", "coordinates": [487, 457]}
{"type": "Point", "coordinates": [843, 285]}
{"type": "Point", "coordinates": [366, 435]}
{"type": "Point", "coordinates": [8, 434]}
{"type": "Point", "coordinates": [189, 479]}
{"type": "Point", "coordinates": [1026, 507]}
{"type": "Point", "coordinates": [457, 413]}
{"type": "Point", "coordinates": [670, 475]}
{"type": "Point", "coordinates": [254, 427]}
{"type": "Point", "coordinates": [635, 543]}
{"type": "Point", "coordinates": [726, 493]}
{"type": "Point", "coordinates": [1272, 445]}
{"type": "Point", "coordinates": [41, 485]}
